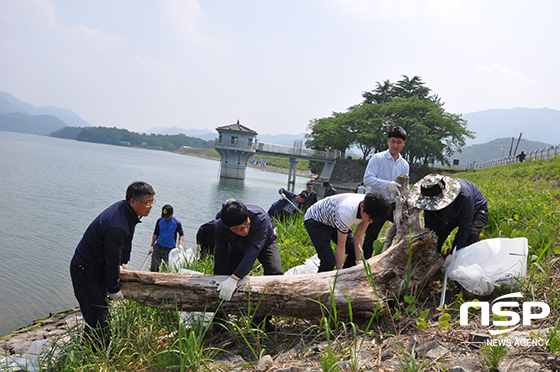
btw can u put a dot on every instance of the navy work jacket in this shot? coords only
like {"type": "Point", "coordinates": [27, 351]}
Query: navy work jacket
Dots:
{"type": "Point", "coordinates": [107, 243]}
{"type": "Point", "coordinates": [260, 235]}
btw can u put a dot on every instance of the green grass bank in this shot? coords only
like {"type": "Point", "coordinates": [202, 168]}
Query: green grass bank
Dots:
{"type": "Point", "coordinates": [523, 201]}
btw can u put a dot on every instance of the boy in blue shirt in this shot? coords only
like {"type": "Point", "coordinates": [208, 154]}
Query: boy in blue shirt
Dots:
{"type": "Point", "coordinates": [165, 236]}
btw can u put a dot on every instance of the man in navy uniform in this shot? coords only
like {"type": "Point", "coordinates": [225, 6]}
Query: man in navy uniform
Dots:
{"type": "Point", "coordinates": [105, 246]}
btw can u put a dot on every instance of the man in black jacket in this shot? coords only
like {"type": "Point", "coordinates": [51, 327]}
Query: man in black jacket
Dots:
{"type": "Point", "coordinates": [105, 246]}
{"type": "Point", "coordinates": [451, 203]}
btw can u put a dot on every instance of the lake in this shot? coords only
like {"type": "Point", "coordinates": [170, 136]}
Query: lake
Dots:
{"type": "Point", "coordinates": [53, 188]}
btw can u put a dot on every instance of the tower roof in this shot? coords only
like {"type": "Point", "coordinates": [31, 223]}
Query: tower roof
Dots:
{"type": "Point", "coordinates": [236, 128]}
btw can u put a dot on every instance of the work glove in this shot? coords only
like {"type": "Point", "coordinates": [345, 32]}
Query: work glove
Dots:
{"type": "Point", "coordinates": [283, 196]}
{"type": "Point", "coordinates": [394, 188]}
{"type": "Point", "coordinates": [226, 288]}
{"type": "Point", "coordinates": [180, 246]}
{"type": "Point", "coordinates": [116, 296]}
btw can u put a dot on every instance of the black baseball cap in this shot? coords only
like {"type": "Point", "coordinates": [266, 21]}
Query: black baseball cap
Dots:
{"type": "Point", "coordinates": [166, 211]}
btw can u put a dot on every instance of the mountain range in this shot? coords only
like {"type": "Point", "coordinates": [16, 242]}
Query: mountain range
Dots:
{"type": "Point", "coordinates": [534, 124]}
{"type": "Point", "coordinates": [10, 104]}
{"type": "Point", "coordinates": [207, 135]}
{"type": "Point", "coordinates": [495, 130]}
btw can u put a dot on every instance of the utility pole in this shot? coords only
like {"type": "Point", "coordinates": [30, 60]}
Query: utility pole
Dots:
{"type": "Point", "coordinates": [511, 146]}
{"type": "Point", "coordinates": [515, 152]}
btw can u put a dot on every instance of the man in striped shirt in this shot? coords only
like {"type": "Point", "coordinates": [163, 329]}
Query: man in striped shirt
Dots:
{"type": "Point", "coordinates": [331, 219]}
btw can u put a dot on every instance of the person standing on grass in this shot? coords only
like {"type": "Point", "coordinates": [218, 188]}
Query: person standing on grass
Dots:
{"type": "Point", "coordinates": [105, 246]}
{"type": "Point", "coordinates": [381, 172]}
{"type": "Point", "coordinates": [311, 196]}
{"type": "Point", "coordinates": [332, 218]}
{"type": "Point", "coordinates": [165, 236]}
{"type": "Point", "coordinates": [329, 190]}
{"type": "Point", "coordinates": [450, 203]}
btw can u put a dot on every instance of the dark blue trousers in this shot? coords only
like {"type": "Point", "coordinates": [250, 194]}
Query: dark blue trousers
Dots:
{"type": "Point", "coordinates": [91, 292]}
{"type": "Point", "coordinates": [321, 236]}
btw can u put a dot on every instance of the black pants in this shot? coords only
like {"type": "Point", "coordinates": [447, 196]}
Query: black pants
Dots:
{"type": "Point", "coordinates": [372, 232]}
{"type": "Point", "coordinates": [269, 259]}
{"type": "Point", "coordinates": [159, 255]}
{"type": "Point", "coordinates": [480, 218]}
{"type": "Point", "coordinates": [321, 236]}
{"type": "Point", "coordinates": [91, 292]}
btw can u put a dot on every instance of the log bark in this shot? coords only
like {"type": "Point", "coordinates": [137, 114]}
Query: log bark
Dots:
{"type": "Point", "coordinates": [409, 262]}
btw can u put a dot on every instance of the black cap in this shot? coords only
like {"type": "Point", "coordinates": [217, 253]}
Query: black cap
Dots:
{"type": "Point", "coordinates": [166, 211]}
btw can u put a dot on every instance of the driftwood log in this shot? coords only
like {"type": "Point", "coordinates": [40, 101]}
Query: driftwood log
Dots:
{"type": "Point", "coordinates": [304, 296]}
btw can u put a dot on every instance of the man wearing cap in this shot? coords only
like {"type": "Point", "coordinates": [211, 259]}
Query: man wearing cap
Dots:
{"type": "Point", "coordinates": [381, 172]}
{"type": "Point", "coordinates": [288, 205]}
{"type": "Point", "coordinates": [104, 247]}
{"type": "Point", "coordinates": [164, 238]}
{"type": "Point", "coordinates": [331, 219]}
{"type": "Point", "coordinates": [311, 196]}
{"type": "Point", "coordinates": [329, 190]}
{"type": "Point", "coordinates": [449, 203]}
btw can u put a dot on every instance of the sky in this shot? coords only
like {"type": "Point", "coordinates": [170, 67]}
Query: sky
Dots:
{"type": "Point", "coordinates": [272, 65]}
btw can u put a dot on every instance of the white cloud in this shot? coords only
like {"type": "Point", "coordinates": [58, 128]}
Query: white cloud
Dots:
{"type": "Point", "coordinates": [145, 63]}
{"type": "Point", "coordinates": [27, 12]}
{"type": "Point", "coordinates": [498, 71]}
{"type": "Point", "coordinates": [77, 67]}
{"type": "Point", "coordinates": [395, 9]}
{"type": "Point", "coordinates": [185, 16]}
{"type": "Point", "coordinates": [94, 38]}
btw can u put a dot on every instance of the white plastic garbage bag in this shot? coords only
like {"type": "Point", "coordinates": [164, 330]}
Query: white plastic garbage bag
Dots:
{"type": "Point", "coordinates": [178, 257]}
{"type": "Point", "coordinates": [28, 362]}
{"type": "Point", "coordinates": [311, 266]}
{"type": "Point", "coordinates": [490, 262]}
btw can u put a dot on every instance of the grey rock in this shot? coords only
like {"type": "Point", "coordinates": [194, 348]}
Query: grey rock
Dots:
{"type": "Point", "coordinates": [463, 365]}
{"type": "Point", "coordinates": [291, 353]}
{"type": "Point", "coordinates": [520, 365]}
{"type": "Point", "coordinates": [236, 361]}
{"type": "Point", "coordinates": [478, 338]}
{"type": "Point", "coordinates": [424, 348]}
{"type": "Point", "coordinates": [265, 363]}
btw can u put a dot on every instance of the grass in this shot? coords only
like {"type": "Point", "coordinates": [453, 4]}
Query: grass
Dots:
{"type": "Point", "coordinates": [523, 200]}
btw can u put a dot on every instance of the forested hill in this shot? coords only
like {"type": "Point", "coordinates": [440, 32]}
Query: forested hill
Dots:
{"type": "Point", "coordinates": [116, 136]}
{"type": "Point", "coordinates": [30, 124]}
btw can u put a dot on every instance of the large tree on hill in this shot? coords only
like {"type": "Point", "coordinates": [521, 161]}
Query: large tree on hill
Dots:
{"type": "Point", "coordinates": [433, 134]}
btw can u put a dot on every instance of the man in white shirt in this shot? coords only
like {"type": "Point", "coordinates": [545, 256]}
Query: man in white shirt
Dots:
{"type": "Point", "coordinates": [332, 218]}
{"type": "Point", "coordinates": [381, 172]}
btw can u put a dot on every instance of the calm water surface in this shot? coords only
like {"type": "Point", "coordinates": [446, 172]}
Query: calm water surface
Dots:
{"type": "Point", "coordinates": [51, 189]}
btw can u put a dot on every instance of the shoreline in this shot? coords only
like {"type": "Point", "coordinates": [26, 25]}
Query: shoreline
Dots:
{"type": "Point", "coordinates": [269, 168]}
{"type": "Point", "coordinates": [38, 323]}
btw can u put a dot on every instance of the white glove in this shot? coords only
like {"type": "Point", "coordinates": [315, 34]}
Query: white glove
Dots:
{"type": "Point", "coordinates": [394, 188]}
{"type": "Point", "coordinates": [180, 246]}
{"type": "Point", "coordinates": [116, 296]}
{"type": "Point", "coordinates": [358, 262]}
{"type": "Point", "coordinates": [226, 288]}
{"type": "Point", "coordinates": [283, 196]}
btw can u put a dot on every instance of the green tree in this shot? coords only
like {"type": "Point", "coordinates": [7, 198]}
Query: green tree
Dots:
{"type": "Point", "coordinates": [329, 133]}
{"type": "Point", "coordinates": [368, 126]}
{"type": "Point", "coordinates": [433, 134]}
